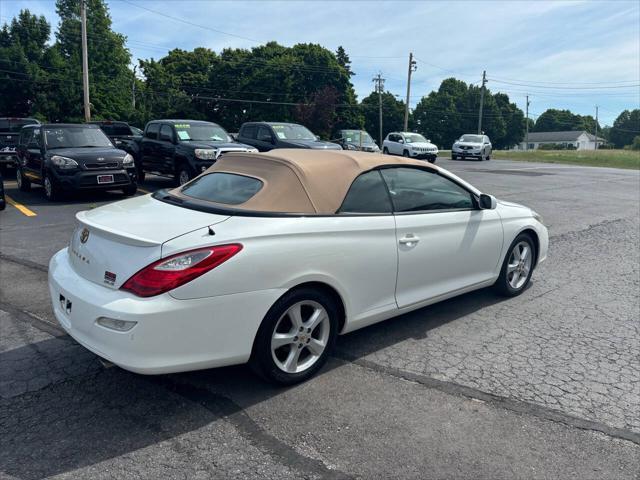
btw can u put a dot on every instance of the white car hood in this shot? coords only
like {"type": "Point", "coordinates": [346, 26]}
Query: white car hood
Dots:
{"type": "Point", "coordinates": [422, 145]}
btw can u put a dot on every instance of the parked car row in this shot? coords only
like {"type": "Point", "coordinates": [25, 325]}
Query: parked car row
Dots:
{"type": "Point", "coordinates": [115, 155]}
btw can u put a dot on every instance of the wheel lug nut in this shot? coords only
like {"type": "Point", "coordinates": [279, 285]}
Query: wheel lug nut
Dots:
{"type": "Point", "coordinates": [301, 328]}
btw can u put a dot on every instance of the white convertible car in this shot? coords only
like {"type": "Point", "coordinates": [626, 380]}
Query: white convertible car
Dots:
{"type": "Point", "coordinates": [265, 258]}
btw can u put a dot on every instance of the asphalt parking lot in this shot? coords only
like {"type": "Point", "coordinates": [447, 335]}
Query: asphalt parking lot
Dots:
{"type": "Point", "coordinates": [545, 385]}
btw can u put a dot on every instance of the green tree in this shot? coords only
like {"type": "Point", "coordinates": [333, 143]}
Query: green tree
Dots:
{"type": "Point", "coordinates": [344, 61]}
{"type": "Point", "coordinates": [625, 128]}
{"type": "Point", "coordinates": [24, 58]}
{"type": "Point", "coordinates": [109, 75]}
{"type": "Point", "coordinates": [392, 114]}
{"type": "Point", "coordinates": [452, 110]}
{"type": "Point", "coordinates": [553, 120]}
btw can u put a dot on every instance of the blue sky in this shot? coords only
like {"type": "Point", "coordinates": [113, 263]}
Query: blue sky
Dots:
{"type": "Point", "coordinates": [565, 54]}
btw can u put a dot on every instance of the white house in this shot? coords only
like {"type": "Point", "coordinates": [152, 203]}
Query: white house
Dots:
{"type": "Point", "coordinates": [578, 139]}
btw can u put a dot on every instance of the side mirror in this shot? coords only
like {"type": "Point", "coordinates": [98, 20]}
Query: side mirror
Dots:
{"type": "Point", "coordinates": [487, 202]}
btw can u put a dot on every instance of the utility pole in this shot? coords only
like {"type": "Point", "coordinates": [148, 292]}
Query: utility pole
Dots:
{"type": "Point", "coordinates": [526, 137]}
{"type": "Point", "coordinates": [596, 127]}
{"type": "Point", "coordinates": [412, 68]}
{"type": "Point", "coordinates": [85, 61]}
{"type": "Point", "coordinates": [379, 88]}
{"type": "Point", "coordinates": [484, 81]}
{"type": "Point", "coordinates": [133, 88]}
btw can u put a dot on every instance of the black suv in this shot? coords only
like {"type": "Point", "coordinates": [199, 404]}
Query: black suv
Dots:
{"type": "Point", "coordinates": [184, 148]}
{"type": "Point", "coordinates": [356, 140]}
{"type": "Point", "coordinates": [9, 133]}
{"type": "Point", "coordinates": [266, 136]}
{"type": "Point", "coordinates": [124, 137]}
{"type": "Point", "coordinates": [64, 157]}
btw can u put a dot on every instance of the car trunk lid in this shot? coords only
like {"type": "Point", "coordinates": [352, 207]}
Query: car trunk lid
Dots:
{"type": "Point", "coordinates": [111, 243]}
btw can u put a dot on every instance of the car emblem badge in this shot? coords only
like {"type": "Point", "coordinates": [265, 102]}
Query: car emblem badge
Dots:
{"type": "Point", "coordinates": [84, 235]}
{"type": "Point", "coordinates": [109, 277]}
{"type": "Point", "coordinates": [100, 159]}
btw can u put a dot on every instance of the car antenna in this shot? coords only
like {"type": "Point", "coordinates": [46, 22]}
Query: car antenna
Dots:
{"type": "Point", "coordinates": [211, 232]}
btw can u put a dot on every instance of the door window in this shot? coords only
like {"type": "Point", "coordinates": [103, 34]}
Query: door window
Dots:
{"type": "Point", "coordinates": [34, 141]}
{"type": "Point", "coordinates": [415, 190]}
{"type": "Point", "coordinates": [249, 131]}
{"type": "Point", "coordinates": [367, 194]}
{"type": "Point", "coordinates": [152, 131]}
{"type": "Point", "coordinates": [166, 134]}
{"type": "Point", "coordinates": [264, 134]}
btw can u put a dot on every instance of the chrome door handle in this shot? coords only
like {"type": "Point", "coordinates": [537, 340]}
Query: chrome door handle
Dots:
{"type": "Point", "coordinates": [409, 240]}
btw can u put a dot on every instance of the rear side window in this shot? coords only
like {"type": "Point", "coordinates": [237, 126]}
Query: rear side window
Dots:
{"type": "Point", "coordinates": [367, 194]}
{"type": "Point", "coordinates": [227, 188]}
{"type": "Point", "coordinates": [152, 131]}
{"type": "Point", "coordinates": [249, 131]}
{"type": "Point", "coordinates": [415, 190]}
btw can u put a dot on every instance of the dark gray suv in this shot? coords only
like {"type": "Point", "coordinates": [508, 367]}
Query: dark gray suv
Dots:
{"type": "Point", "coordinates": [266, 136]}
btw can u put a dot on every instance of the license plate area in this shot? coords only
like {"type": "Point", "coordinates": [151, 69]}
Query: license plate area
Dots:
{"type": "Point", "coordinates": [105, 179]}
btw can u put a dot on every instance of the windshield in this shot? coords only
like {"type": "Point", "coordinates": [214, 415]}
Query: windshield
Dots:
{"type": "Point", "coordinates": [14, 124]}
{"type": "Point", "coordinates": [471, 138]}
{"type": "Point", "coordinates": [75, 136]}
{"type": "Point", "coordinates": [201, 132]}
{"type": "Point", "coordinates": [293, 132]}
{"type": "Point", "coordinates": [414, 138]}
{"type": "Point", "coordinates": [353, 136]}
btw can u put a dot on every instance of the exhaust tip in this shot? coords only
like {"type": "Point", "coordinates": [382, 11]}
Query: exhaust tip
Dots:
{"type": "Point", "coordinates": [106, 363]}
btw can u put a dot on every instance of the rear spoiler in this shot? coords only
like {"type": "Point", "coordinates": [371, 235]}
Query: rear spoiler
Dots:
{"type": "Point", "coordinates": [114, 234]}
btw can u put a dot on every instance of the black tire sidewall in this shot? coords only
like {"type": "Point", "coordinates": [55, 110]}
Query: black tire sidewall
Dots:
{"type": "Point", "coordinates": [502, 284]}
{"type": "Point", "coordinates": [261, 360]}
{"type": "Point", "coordinates": [25, 185]}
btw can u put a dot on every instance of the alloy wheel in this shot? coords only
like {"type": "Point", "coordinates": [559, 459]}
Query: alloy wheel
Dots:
{"type": "Point", "coordinates": [519, 265]}
{"type": "Point", "coordinates": [48, 187]}
{"type": "Point", "coordinates": [300, 336]}
{"type": "Point", "coordinates": [183, 177]}
{"type": "Point", "coordinates": [19, 179]}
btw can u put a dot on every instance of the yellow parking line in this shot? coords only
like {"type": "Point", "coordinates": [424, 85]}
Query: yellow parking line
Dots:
{"type": "Point", "coordinates": [19, 206]}
{"type": "Point", "coordinates": [143, 190]}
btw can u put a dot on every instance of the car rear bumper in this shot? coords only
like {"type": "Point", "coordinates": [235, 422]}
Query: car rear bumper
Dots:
{"type": "Point", "coordinates": [170, 335]}
{"type": "Point", "coordinates": [88, 179]}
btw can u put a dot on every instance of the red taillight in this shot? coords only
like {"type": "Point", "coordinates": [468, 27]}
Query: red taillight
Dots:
{"type": "Point", "coordinates": [171, 272]}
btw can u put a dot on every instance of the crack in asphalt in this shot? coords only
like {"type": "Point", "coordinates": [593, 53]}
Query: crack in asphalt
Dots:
{"type": "Point", "coordinates": [227, 409]}
{"type": "Point", "coordinates": [511, 404]}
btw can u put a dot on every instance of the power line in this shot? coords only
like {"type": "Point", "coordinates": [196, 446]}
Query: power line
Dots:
{"type": "Point", "coordinates": [187, 22]}
{"type": "Point", "coordinates": [563, 87]}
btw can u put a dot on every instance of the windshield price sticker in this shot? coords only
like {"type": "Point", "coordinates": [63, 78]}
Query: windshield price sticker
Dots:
{"type": "Point", "coordinates": [183, 135]}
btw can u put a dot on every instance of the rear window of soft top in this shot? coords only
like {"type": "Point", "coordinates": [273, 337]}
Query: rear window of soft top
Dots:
{"type": "Point", "coordinates": [225, 188]}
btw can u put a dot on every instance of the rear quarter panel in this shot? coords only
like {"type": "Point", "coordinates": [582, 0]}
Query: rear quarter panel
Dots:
{"type": "Point", "coordinates": [357, 256]}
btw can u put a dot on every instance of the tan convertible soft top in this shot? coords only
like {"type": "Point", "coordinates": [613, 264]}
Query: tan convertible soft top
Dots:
{"type": "Point", "coordinates": [301, 181]}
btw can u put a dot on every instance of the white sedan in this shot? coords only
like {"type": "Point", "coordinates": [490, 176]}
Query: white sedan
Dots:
{"type": "Point", "coordinates": [266, 258]}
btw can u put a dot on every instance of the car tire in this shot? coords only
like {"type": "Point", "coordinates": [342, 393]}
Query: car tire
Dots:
{"type": "Point", "coordinates": [385, 151]}
{"type": "Point", "coordinates": [517, 268]}
{"type": "Point", "coordinates": [405, 153]}
{"type": "Point", "coordinates": [51, 188]}
{"type": "Point", "coordinates": [488, 157]}
{"type": "Point", "coordinates": [432, 160]}
{"type": "Point", "coordinates": [184, 173]}
{"type": "Point", "coordinates": [454, 157]}
{"type": "Point", "coordinates": [130, 190]}
{"type": "Point", "coordinates": [24, 185]}
{"type": "Point", "coordinates": [293, 361]}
